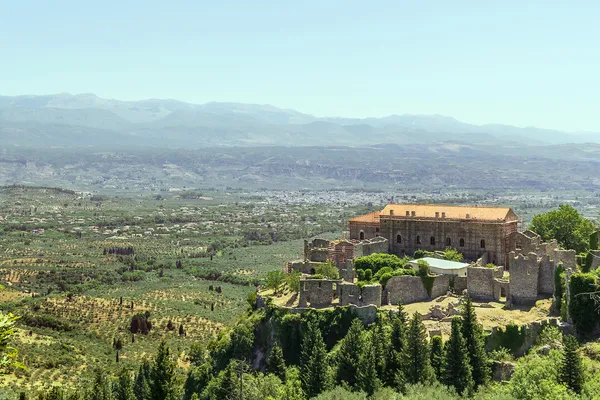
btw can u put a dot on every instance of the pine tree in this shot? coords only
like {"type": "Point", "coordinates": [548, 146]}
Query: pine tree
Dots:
{"type": "Point", "coordinates": [275, 363]}
{"type": "Point", "coordinates": [162, 375]}
{"type": "Point", "coordinates": [123, 389]}
{"type": "Point", "coordinates": [368, 379]}
{"type": "Point", "coordinates": [197, 379]}
{"type": "Point", "coordinates": [348, 360]}
{"type": "Point", "coordinates": [437, 356]}
{"type": "Point", "coordinates": [394, 375]}
{"type": "Point", "coordinates": [456, 367]}
{"type": "Point", "coordinates": [141, 387]}
{"type": "Point", "coordinates": [381, 345]}
{"type": "Point", "coordinates": [572, 370]}
{"type": "Point", "coordinates": [313, 363]}
{"type": "Point", "coordinates": [402, 313]}
{"type": "Point", "coordinates": [473, 335]}
{"type": "Point", "coordinates": [101, 388]}
{"type": "Point", "coordinates": [418, 366]}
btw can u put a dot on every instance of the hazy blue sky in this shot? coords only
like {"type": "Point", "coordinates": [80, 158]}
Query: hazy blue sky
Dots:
{"type": "Point", "coordinates": [514, 62]}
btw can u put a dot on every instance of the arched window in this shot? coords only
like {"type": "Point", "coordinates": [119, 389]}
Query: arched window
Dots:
{"type": "Point", "coordinates": [482, 244]}
{"type": "Point", "coordinates": [418, 239]}
{"type": "Point", "coordinates": [376, 229]}
{"type": "Point", "coordinates": [398, 238]}
{"type": "Point", "coordinates": [432, 241]}
{"type": "Point", "coordinates": [361, 236]}
{"type": "Point", "coordinates": [462, 242]}
{"type": "Point", "coordinates": [448, 242]}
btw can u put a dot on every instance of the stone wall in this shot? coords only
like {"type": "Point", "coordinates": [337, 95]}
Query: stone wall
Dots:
{"type": "Point", "coordinates": [441, 285]}
{"type": "Point", "coordinates": [304, 266]}
{"type": "Point", "coordinates": [524, 278]}
{"type": "Point", "coordinates": [408, 289]}
{"type": "Point", "coordinates": [481, 284]}
{"type": "Point", "coordinates": [371, 295]}
{"type": "Point", "coordinates": [349, 294]}
{"type": "Point", "coordinates": [460, 284]}
{"type": "Point", "coordinates": [348, 272]}
{"type": "Point", "coordinates": [371, 246]}
{"type": "Point", "coordinates": [546, 276]}
{"type": "Point", "coordinates": [318, 292]}
{"type": "Point", "coordinates": [596, 259]}
{"type": "Point", "coordinates": [568, 258]}
{"type": "Point", "coordinates": [316, 250]}
{"type": "Point", "coordinates": [340, 252]}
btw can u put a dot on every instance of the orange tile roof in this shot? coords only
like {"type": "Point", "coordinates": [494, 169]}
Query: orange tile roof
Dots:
{"type": "Point", "coordinates": [371, 217]}
{"type": "Point", "coordinates": [452, 212]}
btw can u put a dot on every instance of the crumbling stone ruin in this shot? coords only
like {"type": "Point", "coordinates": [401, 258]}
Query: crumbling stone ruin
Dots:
{"type": "Point", "coordinates": [530, 261]}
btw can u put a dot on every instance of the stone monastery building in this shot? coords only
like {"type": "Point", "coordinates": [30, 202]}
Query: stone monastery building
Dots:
{"type": "Point", "coordinates": [472, 230]}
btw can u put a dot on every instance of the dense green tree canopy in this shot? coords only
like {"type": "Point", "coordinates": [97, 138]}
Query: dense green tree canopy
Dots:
{"type": "Point", "coordinates": [570, 229]}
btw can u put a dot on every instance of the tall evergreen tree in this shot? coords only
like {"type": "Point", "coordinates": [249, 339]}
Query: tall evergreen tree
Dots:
{"type": "Point", "coordinates": [418, 366]}
{"type": "Point", "coordinates": [351, 348]}
{"type": "Point", "coordinates": [394, 375]}
{"type": "Point", "coordinates": [457, 369]}
{"type": "Point", "coordinates": [313, 362]}
{"type": "Point", "coordinates": [368, 378]}
{"type": "Point", "coordinates": [101, 387]}
{"type": "Point", "coordinates": [437, 356]}
{"type": "Point", "coordinates": [381, 344]}
{"type": "Point", "coordinates": [141, 386]}
{"type": "Point", "coordinates": [123, 388]}
{"type": "Point", "coordinates": [162, 375]}
{"type": "Point", "coordinates": [402, 313]}
{"type": "Point", "coordinates": [572, 370]}
{"type": "Point", "coordinates": [197, 378]}
{"type": "Point", "coordinates": [276, 363]}
{"type": "Point", "coordinates": [473, 334]}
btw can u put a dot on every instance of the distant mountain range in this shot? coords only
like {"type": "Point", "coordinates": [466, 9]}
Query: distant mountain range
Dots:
{"type": "Point", "coordinates": [88, 120]}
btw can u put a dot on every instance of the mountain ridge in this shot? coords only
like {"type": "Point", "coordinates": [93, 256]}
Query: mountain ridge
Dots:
{"type": "Point", "coordinates": [173, 123]}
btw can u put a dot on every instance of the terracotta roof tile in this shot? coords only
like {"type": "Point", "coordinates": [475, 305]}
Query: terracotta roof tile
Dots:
{"type": "Point", "coordinates": [451, 212]}
{"type": "Point", "coordinates": [371, 217]}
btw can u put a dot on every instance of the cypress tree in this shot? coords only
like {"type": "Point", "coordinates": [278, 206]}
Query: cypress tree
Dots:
{"type": "Point", "coordinates": [437, 356]}
{"type": "Point", "coordinates": [418, 366]}
{"type": "Point", "coordinates": [457, 369]}
{"type": "Point", "coordinates": [368, 380]}
{"type": "Point", "coordinates": [141, 386]}
{"type": "Point", "coordinates": [473, 335]}
{"type": "Point", "coordinates": [351, 348]}
{"type": "Point", "coordinates": [572, 370]}
{"type": "Point", "coordinates": [313, 363]}
{"type": "Point", "coordinates": [162, 375]}
{"type": "Point", "coordinates": [123, 389]}
{"type": "Point", "coordinates": [394, 376]}
{"type": "Point", "coordinates": [275, 363]}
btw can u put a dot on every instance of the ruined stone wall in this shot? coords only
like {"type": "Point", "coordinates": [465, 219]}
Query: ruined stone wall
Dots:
{"type": "Point", "coordinates": [481, 282]}
{"type": "Point", "coordinates": [460, 284]}
{"type": "Point", "coordinates": [527, 242]}
{"type": "Point", "coordinates": [349, 294]}
{"type": "Point", "coordinates": [524, 278]}
{"type": "Point", "coordinates": [371, 246]}
{"type": "Point", "coordinates": [306, 267]}
{"type": "Point", "coordinates": [370, 230]}
{"type": "Point", "coordinates": [316, 250]}
{"type": "Point", "coordinates": [340, 252]}
{"type": "Point", "coordinates": [408, 289]}
{"type": "Point", "coordinates": [371, 295]}
{"type": "Point", "coordinates": [546, 275]}
{"type": "Point", "coordinates": [318, 292]}
{"type": "Point", "coordinates": [441, 285]}
{"type": "Point", "coordinates": [596, 259]}
{"type": "Point", "coordinates": [404, 234]}
{"type": "Point", "coordinates": [568, 258]}
{"type": "Point", "coordinates": [348, 273]}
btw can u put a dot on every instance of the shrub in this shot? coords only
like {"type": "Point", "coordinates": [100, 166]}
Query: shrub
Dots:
{"type": "Point", "coordinates": [423, 268]}
{"type": "Point", "coordinates": [368, 275]}
{"type": "Point", "coordinates": [451, 254]}
{"type": "Point", "coordinates": [328, 269]}
{"type": "Point", "coordinates": [377, 261]}
{"type": "Point", "coordinates": [582, 306]}
{"type": "Point", "coordinates": [383, 279]}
